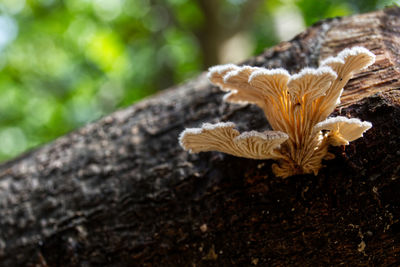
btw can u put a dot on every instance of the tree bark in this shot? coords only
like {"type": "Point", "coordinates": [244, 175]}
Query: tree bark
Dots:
{"type": "Point", "coordinates": [121, 191]}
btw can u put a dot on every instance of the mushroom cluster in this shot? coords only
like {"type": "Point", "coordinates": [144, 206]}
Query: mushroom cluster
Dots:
{"type": "Point", "coordinates": [296, 106]}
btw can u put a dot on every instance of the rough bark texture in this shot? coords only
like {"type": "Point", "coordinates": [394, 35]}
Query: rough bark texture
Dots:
{"type": "Point", "coordinates": [121, 192]}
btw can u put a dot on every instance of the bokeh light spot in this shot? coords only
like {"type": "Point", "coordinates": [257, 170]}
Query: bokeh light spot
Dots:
{"type": "Point", "coordinates": [12, 141]}
{"type": "Point", "coordinates": [107, 9]}
{"type": "Point", "coordinates": [8, 30]}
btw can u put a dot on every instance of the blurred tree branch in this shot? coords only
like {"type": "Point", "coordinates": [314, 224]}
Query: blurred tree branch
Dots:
{"type": "Point", "coordinates": [217, 28]}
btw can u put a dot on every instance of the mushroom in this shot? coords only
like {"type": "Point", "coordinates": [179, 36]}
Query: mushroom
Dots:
{"type": "Point", "coordinates": [343, 130]}
{"type": "Point", "coordinates": [345, 64]}
{"type": "Point", "coordinates": [216, 74]}
{"type": "Point", "coordinates": [234, 80]}
{"type": "Point", "coordinates": [296, 106]}
{"type": "Point", "coordinates": [222, 137]}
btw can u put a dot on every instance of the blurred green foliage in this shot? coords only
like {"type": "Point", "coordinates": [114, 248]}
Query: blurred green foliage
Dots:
{"type": "Point", "coordinates": [64, 63]}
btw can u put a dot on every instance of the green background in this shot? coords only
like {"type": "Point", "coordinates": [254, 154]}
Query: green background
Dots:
{"type": "Point", "coordinates": [66, 63]}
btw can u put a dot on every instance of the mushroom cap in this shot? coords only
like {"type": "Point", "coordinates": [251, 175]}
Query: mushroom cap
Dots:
{"type": "Point", "coordinates": [208, 137]}
{"type": "Point", "coordinates": [344, 64]}
{"type": "Point", "coordinates": [363, 56]}
{"type": "Point", "coordinates": [350, 60]}
{"type": "Point", "coordinates": [240, 90]}
{"type": "Point", "coordinates": [240, 75]}
{"type": "Point", "coordinates": [343, 130]}
{"type": "Point", "coordinates": [222, 137]}
{"type": "Point", "coordinates": [216, 74]}
{"type": "Point", "coordinates": [309, 82]}
{"type": "Point", "coordinates": [271, 82]}
{"type": "Point", "coordinates": [234, 80]}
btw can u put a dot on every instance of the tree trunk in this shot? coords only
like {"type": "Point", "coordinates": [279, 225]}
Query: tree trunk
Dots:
{"type": "Point", "coordinates": [121, 191]}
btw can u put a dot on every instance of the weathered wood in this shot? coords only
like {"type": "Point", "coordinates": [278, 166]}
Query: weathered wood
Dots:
{"type": "Point", "coordinates": [121, 192]}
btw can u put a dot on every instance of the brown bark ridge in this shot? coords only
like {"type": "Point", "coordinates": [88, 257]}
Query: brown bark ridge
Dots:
{"type": "Point", "coordinates": [121, 192]}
